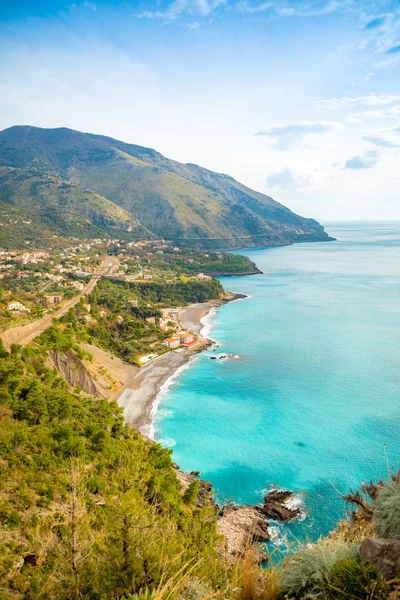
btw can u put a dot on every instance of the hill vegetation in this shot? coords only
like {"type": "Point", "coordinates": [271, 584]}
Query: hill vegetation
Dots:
{"type": "Point", "coordinates": [100, 183]}
{"type": "Point", "coordinates": [64, 208]}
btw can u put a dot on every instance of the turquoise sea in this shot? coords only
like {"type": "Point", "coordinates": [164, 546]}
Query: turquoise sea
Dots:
{"type": "Point", "coordinates": [313, 401]}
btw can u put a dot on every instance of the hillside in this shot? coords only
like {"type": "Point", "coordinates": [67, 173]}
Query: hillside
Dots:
{"type": "Point", "coordinates": [91, 510]}
{"type": "Point", "coordinates": [181, 202]}
{"type": "Point", "coordinates": [66, 208]}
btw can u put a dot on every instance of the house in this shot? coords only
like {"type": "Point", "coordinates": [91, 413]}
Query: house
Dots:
{"type": "Point", "coordinates": [203, 277]}
{"type": "Point", "coordinates": [172, 342]}
{"type": "Point", "coordinates": [49, 299]}
{"type": "Point", "coordinates": [185, 338]}
{"type": "Point", "coordinates": [89, 319]}
{"type": "Point", "coordinates": [77, 285]}
{"type": "Point", "coordinates": [151, 320]}
{"type": "Point", "coordinates": [17, 306]}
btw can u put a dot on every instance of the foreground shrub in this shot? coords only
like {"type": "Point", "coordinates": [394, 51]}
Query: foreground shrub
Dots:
{"type": "Point", "coordinates": [307, 573]}
{"type": "Point", "coordinates": [387, 510]}
{"type": "Point", "coordinates": [351, 578]}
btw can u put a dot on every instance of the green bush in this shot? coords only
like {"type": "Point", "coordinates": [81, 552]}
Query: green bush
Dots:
{"type": "Point", "coordinates": [307, 573]}
{"type": "Point", "coordinates": [351, 578]}
{"type": "Point", "coordinates": [387, 510]}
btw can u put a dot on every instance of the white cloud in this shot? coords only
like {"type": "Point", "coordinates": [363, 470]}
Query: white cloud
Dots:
{"type": "Point", "coordinates": [366, 161]}
{"type": "Point", "coordinates": [288, 181]}
{"type": "Point", "coordinates": [286, 8]}
{"type": "Point", "coordinates": [391, 113]}
{"type": "Point", "coordinates": [90, 5]}
{"type": "Point", "coordinates": [291, 135]}
{"type": "Point", "coordinates": [352, 101]}
{"type": "Point", "coordinates": [179, 8]}
{"type": "Point", "coordinates": [380, 141]}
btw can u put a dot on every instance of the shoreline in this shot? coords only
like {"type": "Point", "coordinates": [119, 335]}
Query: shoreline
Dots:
{"type": "Point", "coordinates": [144, 387]}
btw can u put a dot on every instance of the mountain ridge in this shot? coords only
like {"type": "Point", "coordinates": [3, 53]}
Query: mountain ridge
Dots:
{"type": "Point", "coordinates": [183, 202]}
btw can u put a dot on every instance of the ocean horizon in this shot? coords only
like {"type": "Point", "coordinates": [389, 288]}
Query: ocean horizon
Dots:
{"type": "Point", "coordinates": [312, 404]}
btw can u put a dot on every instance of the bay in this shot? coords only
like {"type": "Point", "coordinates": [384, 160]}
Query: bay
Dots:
{"type": "Point", "coordinates": [312, 404]}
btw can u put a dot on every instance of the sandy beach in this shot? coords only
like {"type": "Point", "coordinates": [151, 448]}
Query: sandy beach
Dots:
{"type": "Point", "coordinates": [141, 388]}
{"type": "Point", "coordinates": [136, 388]}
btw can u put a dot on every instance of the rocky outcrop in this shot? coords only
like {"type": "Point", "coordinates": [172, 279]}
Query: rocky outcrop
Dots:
{"type": "Point", "coordinates": [383, 555]}
{"type": "Point", "coordinates": [204, 494]}
{"type": "Point", "coordinates": [275, 506]}
{"type": "Point", "coordinates": [242, 526]}
{"type": "Point", "coordinates": [75, 373]}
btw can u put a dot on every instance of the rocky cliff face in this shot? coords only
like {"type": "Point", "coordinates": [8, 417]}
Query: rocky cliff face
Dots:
{"type": "Point", "coordinates": [76, 373]}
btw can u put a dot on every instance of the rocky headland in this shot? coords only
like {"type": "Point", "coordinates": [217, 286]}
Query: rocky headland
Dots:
{"type": "Point", "coordinates": [243, 525]}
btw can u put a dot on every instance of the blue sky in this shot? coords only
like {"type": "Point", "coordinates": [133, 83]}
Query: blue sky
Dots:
{"type": "Point", "coordinates": [299, 99]}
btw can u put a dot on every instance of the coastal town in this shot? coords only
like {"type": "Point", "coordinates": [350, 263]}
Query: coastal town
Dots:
{"type": "Point", "coordinates": [125, 295]}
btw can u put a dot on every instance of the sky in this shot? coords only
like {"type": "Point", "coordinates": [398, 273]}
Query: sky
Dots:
{"type": "Point", "coordinates": [298, 99]}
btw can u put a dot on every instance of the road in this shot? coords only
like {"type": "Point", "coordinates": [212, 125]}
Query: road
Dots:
{"type": "Point", "coordinates": [24, 334]}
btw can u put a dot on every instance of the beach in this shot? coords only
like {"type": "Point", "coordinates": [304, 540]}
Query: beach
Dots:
{"type": "Point", "coordinates": [138, 389]}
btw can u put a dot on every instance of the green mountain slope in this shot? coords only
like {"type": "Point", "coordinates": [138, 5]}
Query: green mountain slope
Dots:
{"type": "Point", "coordinates": [183, 202]}
{"type": "Point", "coordinates": [65, 208]}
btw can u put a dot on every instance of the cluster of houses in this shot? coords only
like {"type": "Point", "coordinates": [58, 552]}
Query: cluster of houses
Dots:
{"type": "Point", "coordinates": [17, 307]}
{"type": "Point", "coordinates": [184, 339]}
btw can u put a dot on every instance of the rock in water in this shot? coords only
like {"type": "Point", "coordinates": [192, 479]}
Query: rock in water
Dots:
{"type": "Point", "coordinates": [275, 506]}
{"type": "Point", "coordinates": [241, 526]}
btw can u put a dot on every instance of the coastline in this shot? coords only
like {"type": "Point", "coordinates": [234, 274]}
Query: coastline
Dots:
{"type": "Point", "coordinates": [143, 388]}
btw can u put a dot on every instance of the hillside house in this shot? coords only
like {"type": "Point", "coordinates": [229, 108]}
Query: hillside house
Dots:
{"type": "Point", "coordinates": [172, 342]}
{"type": "Point", "coordinates": [185, 338]}
{"type": "Point", "coordinates": [49, 299]}
{"type": "Point", "coordinates": [15, 305]}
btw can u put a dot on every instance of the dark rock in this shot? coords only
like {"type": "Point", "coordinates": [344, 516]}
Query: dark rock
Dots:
{"type": "Point", "coordinates": [275, 506]}
{"type": "Point", "coordinates": [383, 555]}
{"type": "Point", "coordinates": [30, 559]}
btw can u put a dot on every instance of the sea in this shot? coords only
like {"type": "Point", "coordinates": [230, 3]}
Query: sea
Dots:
{"type": "Point", "coordinates": [311, 403]}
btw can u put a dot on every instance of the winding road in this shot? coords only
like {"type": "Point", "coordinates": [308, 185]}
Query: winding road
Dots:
{"type": "Point", "coordinates": [24, 334]}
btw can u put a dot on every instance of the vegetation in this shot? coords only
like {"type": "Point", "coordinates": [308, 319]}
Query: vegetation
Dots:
{"type": "Point", "coordinates": [65, 208]}
{"type": "Point", "coordinates": [91, 510]}
{"type": "Point", "coordinates": [88, 508]}
{"type": "Point", "coordinates": [387, 510]}
{"type": "Point", "coordinates": [114, 316]}
{"type": "Point", "coordinates": [184, 203]}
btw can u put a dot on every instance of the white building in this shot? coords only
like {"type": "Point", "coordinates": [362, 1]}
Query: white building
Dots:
{"type": "Point", "coordinates": [172, 342]}
{"type": "Point", "coordinates": [15, 305]}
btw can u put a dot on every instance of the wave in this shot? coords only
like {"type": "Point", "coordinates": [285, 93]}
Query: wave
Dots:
{"type": "Point", "coordinates": [167, 442]}
{"type": "Point", "coordinates": [207, 322]}
{"type": "Point", "coordinates": [149, 430]}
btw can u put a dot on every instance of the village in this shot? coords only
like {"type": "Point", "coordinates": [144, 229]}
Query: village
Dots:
{"type": "Point", "coordinates": [37, 282]}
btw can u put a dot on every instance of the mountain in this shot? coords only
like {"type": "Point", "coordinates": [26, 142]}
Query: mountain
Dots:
{"type": "Point", "coordinates": [65, 208]}
{"type": "Point", "coordinates": [140, 192]}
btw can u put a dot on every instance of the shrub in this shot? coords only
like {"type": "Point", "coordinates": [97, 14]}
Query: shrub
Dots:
{"type": "Point", "coordinates": [195, 589]}
{"type": "Point", "coordinates": [351, 578]}
{"type": "Point", "coordinates": [308, 571]}
{"type": "Point", "coordinates": [387, 510]}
